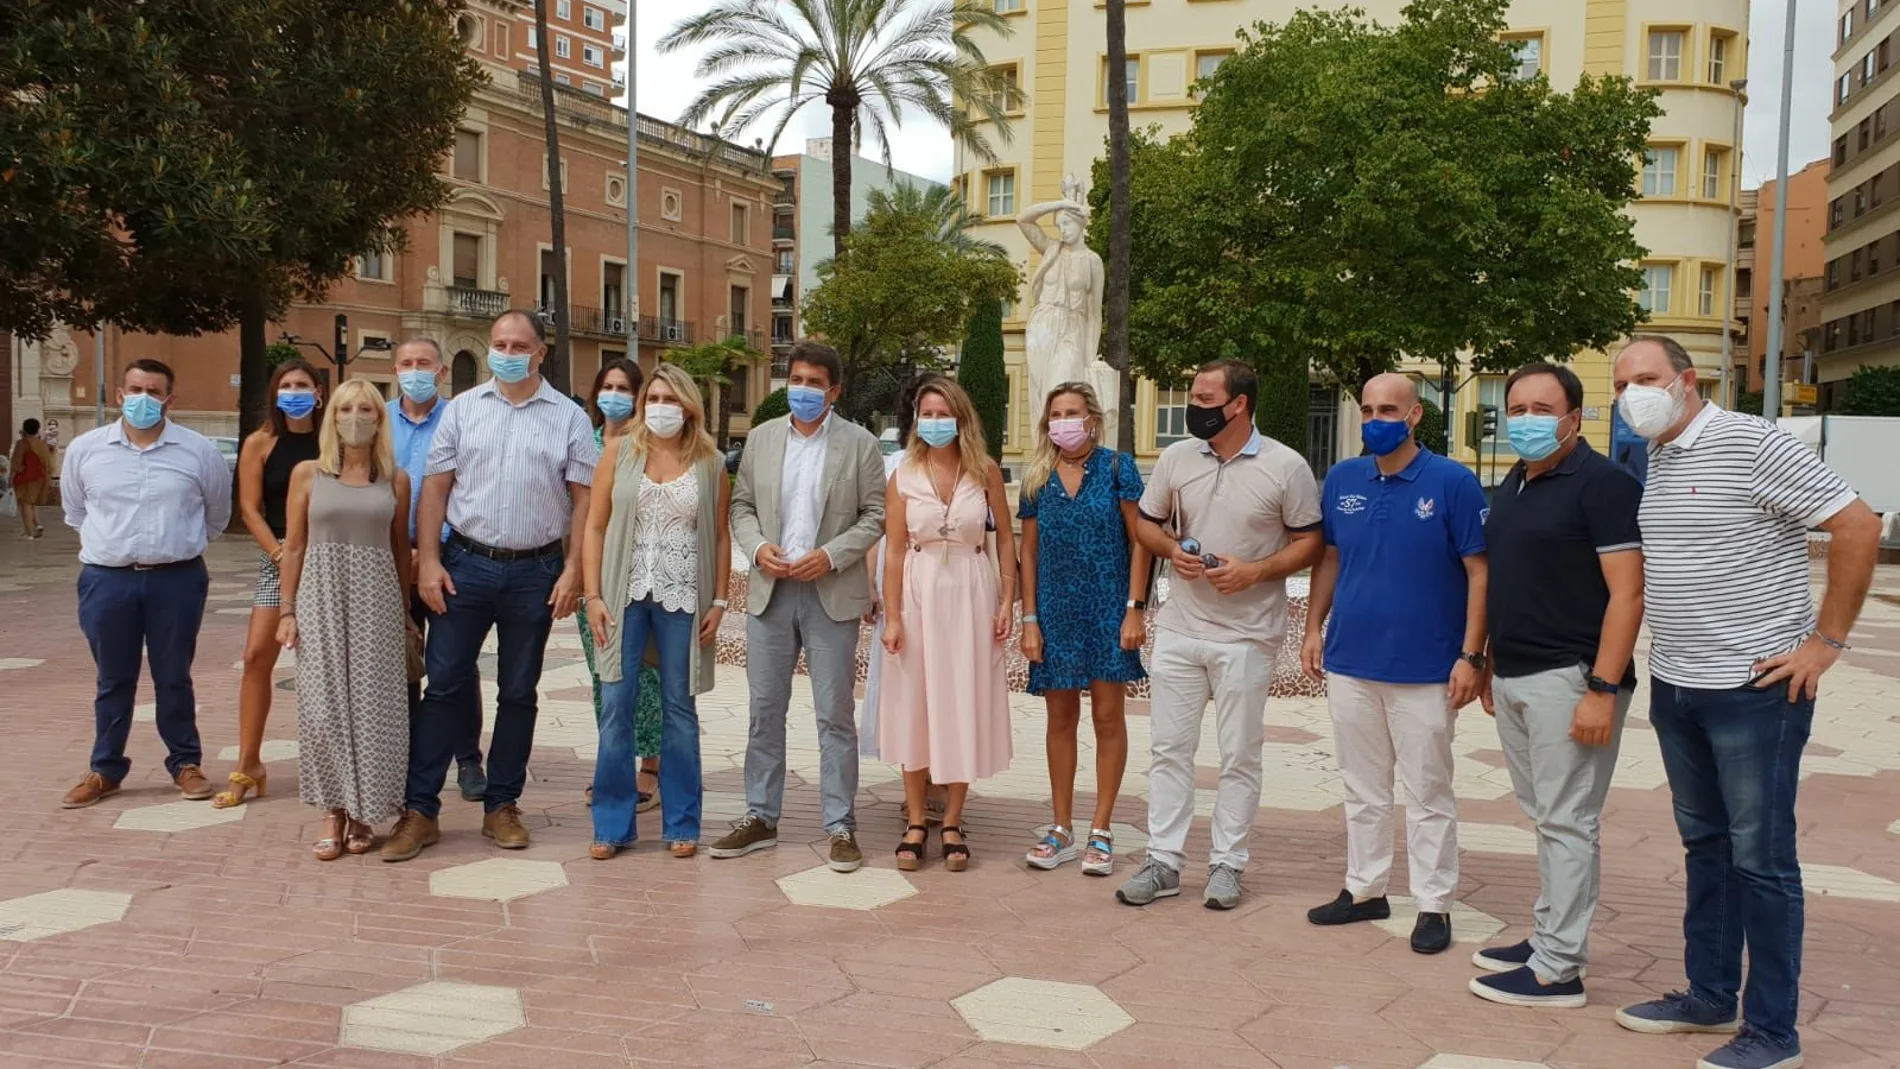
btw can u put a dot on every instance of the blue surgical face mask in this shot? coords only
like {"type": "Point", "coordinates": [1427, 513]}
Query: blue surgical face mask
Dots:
{"type": "Point", "coordinates": [296, 403]}
{"type": "Point", "coordinates": [507, 368]}
{"type": "Point", "coordinates": [937, 432]}
{"type": "Point", "coordinates": [1384, 436]}
{"type": "Point", "coordinates": [142, 410]}
{"type": "Point", "coordinates": [418, 386]}
{"type": "Point", "coordinates": [807, 402]}
{"type": "Point", "coordinates": [1534, 437]}
{"type": "Point", "coordinates": [615, 406]}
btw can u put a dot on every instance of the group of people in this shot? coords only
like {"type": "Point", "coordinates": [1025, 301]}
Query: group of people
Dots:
{"type": "Point", "coordinates": [512, 507]}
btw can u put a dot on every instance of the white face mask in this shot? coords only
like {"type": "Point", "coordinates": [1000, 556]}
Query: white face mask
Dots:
{"type": "Point", "coordinates": [1651, 410]}
{"type": "Point", "coordinates": [665, 421]}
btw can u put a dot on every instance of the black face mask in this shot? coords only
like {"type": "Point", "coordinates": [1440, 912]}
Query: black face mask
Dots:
{"type": "Point", "coordinates": [1206, 422]}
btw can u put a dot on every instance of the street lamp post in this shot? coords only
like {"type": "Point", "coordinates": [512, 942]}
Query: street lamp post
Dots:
{"type": "Point", "coordinates": [1734, 201]}
{"type": "Point", "coordinates": [1771, 367]}
{"type": "Point", "coordinates": [633, 183]}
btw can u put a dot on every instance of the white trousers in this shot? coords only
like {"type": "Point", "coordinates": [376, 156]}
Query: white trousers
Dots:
{"type": "Point", "coordinates": [1378, 727]}
{"type": "Point", "coordinates": [1183, 673]}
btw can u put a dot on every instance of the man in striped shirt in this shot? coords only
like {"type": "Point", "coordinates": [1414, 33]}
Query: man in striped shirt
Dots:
{"type": "Point", "coordinates": [1736, 657]}
{"type": "Point", "coordinates": [509, 470]}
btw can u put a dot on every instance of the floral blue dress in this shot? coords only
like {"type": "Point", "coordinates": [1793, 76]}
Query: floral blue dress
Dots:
{"type": "Point", "coordinates": [1082, 555]}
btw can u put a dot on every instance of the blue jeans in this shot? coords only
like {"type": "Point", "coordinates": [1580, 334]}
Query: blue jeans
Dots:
{"type": "Point", "coordinates": [468, 732]}
{"type": "Point", "coordinates": [125, 614]}
{"type": "Point", "coordinates": [616, 790]}
{"type": "Point", "coordinates": [1733, 759]}
{"type": "Point", "coordinates": [512, 599]}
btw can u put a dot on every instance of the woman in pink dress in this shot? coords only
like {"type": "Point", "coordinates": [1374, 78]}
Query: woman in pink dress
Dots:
{"type": "Point", "coordinates": [943, 714]}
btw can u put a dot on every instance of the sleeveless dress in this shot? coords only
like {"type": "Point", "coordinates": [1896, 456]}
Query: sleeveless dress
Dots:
{"type": "Point", "coordinates": [874, 667]}
{"type": "Point", "coordinates": [1082, 555]}
{"type": "Point", "coordinates": [289, 450]}
{"type": "Point", "coordinates": [646, 712]}
{"type": "Point", "coordinates": [944, 701]}
{"type": "Point", "coordinates": [352, 691]}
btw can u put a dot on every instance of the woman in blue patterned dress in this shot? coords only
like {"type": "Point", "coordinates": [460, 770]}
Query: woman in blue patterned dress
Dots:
{"type": "Point", "coordinates": [1083, 579]}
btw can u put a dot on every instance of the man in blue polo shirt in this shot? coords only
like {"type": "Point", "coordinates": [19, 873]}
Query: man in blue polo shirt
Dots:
{"type": "Point", "coordinates": [1404, 580]}
{"type": "Point", "coordinates": [413, 418]}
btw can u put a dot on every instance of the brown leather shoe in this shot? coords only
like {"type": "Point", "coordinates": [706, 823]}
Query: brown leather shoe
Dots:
{"type": "Point", "coordinates": [192, 783]}
{"type": "Point", "coordinates": [504, 826]}
{"type": "Point", "coordinates": [91, 791]}
{"type": "Point", "coordinates": [412, 832]}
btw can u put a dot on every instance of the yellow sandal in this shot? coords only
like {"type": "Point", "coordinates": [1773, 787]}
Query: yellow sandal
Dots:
{"type": "Point", "coordinates": [243, 784]}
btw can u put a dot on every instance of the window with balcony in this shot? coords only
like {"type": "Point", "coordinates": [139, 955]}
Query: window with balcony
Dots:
{"type": "Point", "coordinates": [671, 283]}
{"type": "Point", "coordinates": [1665, 55]}
{"type": "Point", "coordinates": [613, 289]}
{"type": "Point", "coordinates": [1659, 173]}
{"type": "Point", "coordinates": [1705, 291]}
{"type": "Point", "coordinates": [465, 269]}
{"type": "Point", "coordinates": [1658, 280]}
{"type": "Point", "coordinates": [1718, 58]}
{"type": "Point", "coordinates": [594, 18]}
{"type": "Point", "coordinates": [1000, 188]}
{"type": "Point", "coordinates": [467, 164]}
{"type": "Point", "coordinates": [1529, 52]}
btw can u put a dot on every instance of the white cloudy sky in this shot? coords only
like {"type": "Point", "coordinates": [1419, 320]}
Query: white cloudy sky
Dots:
{"type": "Point", "coordinates": [666, 83]}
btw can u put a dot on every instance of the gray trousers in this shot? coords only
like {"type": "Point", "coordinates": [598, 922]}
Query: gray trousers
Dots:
{"type": "Point", "coordinates": [1560, 785]}
{"type": "Point", "coordinates": [792, 621]}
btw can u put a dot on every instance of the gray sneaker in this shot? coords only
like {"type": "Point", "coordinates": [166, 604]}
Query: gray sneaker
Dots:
{"type": "Point", "coordinates": [1223, 887]}
{"type": "Point", "coordinates": [1155, 880]}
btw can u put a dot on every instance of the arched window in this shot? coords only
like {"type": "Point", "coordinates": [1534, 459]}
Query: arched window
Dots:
{"type": "Point", "coordinates": [462, 372]}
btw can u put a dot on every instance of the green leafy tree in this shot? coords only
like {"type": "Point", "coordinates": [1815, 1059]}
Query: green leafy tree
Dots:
{"type": "Point", "coordinates": [279, 351]}
{"type": "Point", "coordinates": [869, 61]}
{"type": "Point", "coordinates": [1429, 205]}
{"type": "Point", "coordinates": [712, 365]}
{"type": "Point", "coordinates": [905, 291]}
{"type": "Point", "coordinates": [981, 373]}
{"type": "Point", "coordinates": [1284, 390]}
{"type": "Point", "coordinates": [180, 166]}
{"type": "Point", "coordinates": [1431, 426]}
{"type": "Point", "coordinates": [1872, 391]}
{"type": "Point", "coordinates": [771, 407]}
{"type": "Point", "coordinates": [1748, 402]}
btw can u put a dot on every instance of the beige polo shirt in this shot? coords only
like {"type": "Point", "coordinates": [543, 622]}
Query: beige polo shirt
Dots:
{"type": "Point", "coordinates": [1243, 509]}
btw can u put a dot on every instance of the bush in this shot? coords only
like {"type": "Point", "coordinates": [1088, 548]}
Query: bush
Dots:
{"type": "Point", "coordinates": [279, 351]}
{"type": "Point", "coordinates": [1285, 392]}
{"type": "Point", "coordinates": [1431, 427]}
{"type": "Point", "coordinates": [772, 407]}
{"type": "Point", "coordinates": [1872, 391]}
{"type": "Point", "coordinates": [981, 374]}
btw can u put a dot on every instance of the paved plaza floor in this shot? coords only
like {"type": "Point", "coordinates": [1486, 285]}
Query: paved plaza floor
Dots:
{"type": "Point", "coordinates": [150, 932]}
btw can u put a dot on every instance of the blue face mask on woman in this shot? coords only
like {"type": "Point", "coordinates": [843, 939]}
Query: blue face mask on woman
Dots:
{"type": "Point", "coordinates": [937, 432]}
{"type": "Point", "coordinates": [1384, 436]}
{"type": "Point", "coordinates": [510, 369]}
{"type": "Point", "coordinates": [1534, 437]}
{"type": "Point", "coordinates": [615, 406]}
{"type": "Point", "coordinates": [296, 403]}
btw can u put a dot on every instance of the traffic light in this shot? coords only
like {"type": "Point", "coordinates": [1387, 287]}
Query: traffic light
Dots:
{"type": "Point", "coordinates": [1488, 421]}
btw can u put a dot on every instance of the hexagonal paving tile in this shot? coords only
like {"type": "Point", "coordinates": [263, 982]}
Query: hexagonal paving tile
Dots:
{"type": "Point", "coordinates": [1496, 839]}
{"type": "Point", "coordinates": [177, 816]}
{"type": "Point", "coordinates": [145, 712]}
{"type": "Point", "coordinates": [7, 664]}
{"type": "Point", "coordinates": [69, 909]}
{"type": "Point", "coordinates": [432, 1018]}
{"type": "Point", "coordinates": [497, 879]}
{"type": "Point", "coordinates": [273, 750]}
{"type": "Point", "coordinates": [1041, 1013]}
{"type": "Point", "coordinates": [1467, 925]}
{"type": "Point", "coordinates": [1839, 881]}
{"type": "Point", "coordinates": [1466, 1061]}
{"type": "Point", "coordinates": [1894, 828]}
{"type": "Point", "coordinates": [863, 889]}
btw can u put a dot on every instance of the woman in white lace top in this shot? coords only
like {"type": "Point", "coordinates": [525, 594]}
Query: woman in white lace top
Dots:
{"type": "Point", "coordinates": [656, 561]}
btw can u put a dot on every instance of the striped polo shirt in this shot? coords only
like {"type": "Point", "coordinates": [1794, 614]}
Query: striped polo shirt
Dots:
{"type": "Point", "coordinates": [1725, 519]}
{"type": "Point", "coordinates": [513, 464]}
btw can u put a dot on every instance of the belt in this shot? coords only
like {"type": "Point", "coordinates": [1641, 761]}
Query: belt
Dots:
{"type": "Point", "coordinates": [457, 538]}
{"type": "Point", "coordinates": [166, 566]}
{"type": "Point", "coordinates": [946, 548]}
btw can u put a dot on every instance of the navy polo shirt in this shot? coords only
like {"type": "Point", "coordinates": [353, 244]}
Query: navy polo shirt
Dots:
{"type": "Point", "coordinates": [1399, 603]}
{"type": "Point", "coordinates": [1547, 595]}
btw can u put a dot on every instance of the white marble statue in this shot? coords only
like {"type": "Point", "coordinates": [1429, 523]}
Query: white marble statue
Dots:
{"type": "Point", "coordinates": [1065, 302]}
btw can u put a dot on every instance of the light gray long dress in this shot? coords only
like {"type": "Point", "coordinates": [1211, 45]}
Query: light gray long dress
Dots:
{"type": "Point", "coordinates": [352, 690]}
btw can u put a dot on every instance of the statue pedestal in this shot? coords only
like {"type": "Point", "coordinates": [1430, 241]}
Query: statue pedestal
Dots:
{"type": "Point", "coordinates": [1107, 383]}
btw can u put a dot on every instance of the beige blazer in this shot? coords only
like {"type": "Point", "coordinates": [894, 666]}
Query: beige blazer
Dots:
{"type": "Point", "coordinates": [850, 513]}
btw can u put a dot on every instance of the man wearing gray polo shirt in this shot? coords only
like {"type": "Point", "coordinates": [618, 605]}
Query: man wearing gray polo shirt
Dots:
{"type": "Point", "coordinates": [1735, 659]}
{"type": "Point", "coordinates": [1236, 513]}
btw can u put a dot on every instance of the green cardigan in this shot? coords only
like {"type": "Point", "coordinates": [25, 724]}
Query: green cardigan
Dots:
{"type": "Point", "coordinates": [617, 561]}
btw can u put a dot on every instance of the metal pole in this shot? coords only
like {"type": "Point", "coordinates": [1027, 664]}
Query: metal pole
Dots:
{"type": "Point", "coordinates": [1771, 369]}
{"type": "Point", "coordinates": [1723, 397]}
{"type": "Point", "coordinates": [99, 375]}
{"type": "Point", "coordinates": [633, 185]}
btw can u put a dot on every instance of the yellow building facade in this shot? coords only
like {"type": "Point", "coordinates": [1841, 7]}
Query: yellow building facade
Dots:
{"type": "Point", "coordinates": [1691, 50]}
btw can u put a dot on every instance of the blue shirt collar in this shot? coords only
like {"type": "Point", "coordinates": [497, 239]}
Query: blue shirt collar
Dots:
{"type": "Point", "coordinates": [397, 412]}
{"type": "Point", "coordinates": [1409, 473]}
{"type": "Point", "coordinates": [1251, 449]}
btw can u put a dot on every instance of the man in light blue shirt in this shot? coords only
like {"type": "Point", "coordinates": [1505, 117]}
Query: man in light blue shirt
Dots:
{"type": "Point", "coordinates": [413, 418]}
{"type": "Point", "coordinates": [145, 496]}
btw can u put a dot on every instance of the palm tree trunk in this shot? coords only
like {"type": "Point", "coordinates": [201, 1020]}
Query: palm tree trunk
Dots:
{"type": "Point", "coordinates": [555, 368]}
{"type": "Point", "coordinates": [842, 114]}
{"type": "Point", "coordinates": [1115, 300]}
{"type": "Point", "coordinates": [253, 364]}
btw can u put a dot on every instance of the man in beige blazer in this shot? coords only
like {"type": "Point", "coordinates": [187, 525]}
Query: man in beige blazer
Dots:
{"type": "Point", "coordinates": [808, 506]}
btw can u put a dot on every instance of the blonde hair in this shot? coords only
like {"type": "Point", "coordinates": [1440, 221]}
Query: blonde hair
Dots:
{"type": "Point", "coordinates": [696, 442]}
{"type": "Point", "coordinates": [1043, 463]}
{"type": "Point", "coordinates": [382, 458]}
{"type": "Point", "coordinates": [972, 454]}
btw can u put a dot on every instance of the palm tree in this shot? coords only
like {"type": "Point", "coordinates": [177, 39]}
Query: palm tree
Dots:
{"type": "Point", "coordinates": [867, 60]}
{"type": "Point", "coordinates": [707, 364]}
{"type": "Point", "coordinates": [555, 368]}
{"type": "Point", "coordinates": [1115, 299]}
{"type": "Point", "coordinates": [937, 210]}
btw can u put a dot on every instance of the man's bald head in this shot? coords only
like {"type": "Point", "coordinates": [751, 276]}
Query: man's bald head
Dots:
{"type": "Point", "coordinates": [1389, 396]}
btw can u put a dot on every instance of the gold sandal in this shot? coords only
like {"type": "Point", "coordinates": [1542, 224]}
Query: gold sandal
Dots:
{"type": "Point", "coordinates": [243, 785]}
{"type": "Point", "coordinates": [360, 838]}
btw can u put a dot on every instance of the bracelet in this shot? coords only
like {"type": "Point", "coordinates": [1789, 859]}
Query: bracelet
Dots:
{"type": "Point", "coordinates": [1826, 641]}
{"type": "Point", "coordinates": [1030, 618]}
{"type": "Point", "coordinates": [719, 603]}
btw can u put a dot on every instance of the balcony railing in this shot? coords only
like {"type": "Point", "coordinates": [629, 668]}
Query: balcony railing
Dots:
{"type": "Point", "coordinates": [784, 233]}
{"type": "Point", "coordinates": [666, 331]}
{"type": "Point", "coordinates": [588, 110]}
{"type": "Point", "coordinates": [598, 322]}
{"type": "Point", "coordinates": [476, 304]}
{"type": "Point", "coordinates": [784, 198]}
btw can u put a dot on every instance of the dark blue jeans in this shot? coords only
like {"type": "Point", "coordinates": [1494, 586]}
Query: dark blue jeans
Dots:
{"type": "Point", "coordinates": [468, 731]}
{"type": "Point", "coordinates": [125, 614]}
{"type": "Point", "coordinates": [1734, 758]}
{"type": "Point", "coordinates": [510, 598]}
{"type": "Point", "coordinates": [616, 790]}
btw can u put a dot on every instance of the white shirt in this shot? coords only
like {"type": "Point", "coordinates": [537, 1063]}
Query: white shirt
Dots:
{"type": "Point", "coordinates": [798, 493]}
{"type": "Point", "coordinates": [512, 464]}
{"type": "Point", "coordinates": [153, 505]}
{"type": "Point", "coordinates": [666, 544]}
{"type": "Point", "coordinates": [1725, 519]}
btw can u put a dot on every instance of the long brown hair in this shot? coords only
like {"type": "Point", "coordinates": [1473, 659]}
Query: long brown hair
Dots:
{"type": "Point", "coordinates": [635, 377]}
{"type": "Point", "coordinates": [280, 423]}
{"type": "Point", "coordinates": [972, 453]}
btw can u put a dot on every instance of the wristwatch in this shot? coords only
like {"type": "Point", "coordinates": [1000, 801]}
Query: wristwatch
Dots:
{"type": "Point", "coordinates": [1137, 603]}
{"type": "Point", "coordinates": [1601, 685]}
{"type": "Point", "coordinates": [1475, 660]}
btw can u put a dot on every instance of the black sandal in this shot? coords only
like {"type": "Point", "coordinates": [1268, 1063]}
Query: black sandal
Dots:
{"type": "Point", "coordinates": [910, 856]}
{"type": "Point", "coordinates": [956, 856]}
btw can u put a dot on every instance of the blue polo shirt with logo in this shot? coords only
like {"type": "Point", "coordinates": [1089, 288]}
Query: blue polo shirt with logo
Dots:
{"type": "Point", "coordinates": [1399, 605]}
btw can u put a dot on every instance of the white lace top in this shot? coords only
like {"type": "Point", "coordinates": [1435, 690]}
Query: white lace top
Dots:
{"type": "Point", "coordinates": [665, 563]}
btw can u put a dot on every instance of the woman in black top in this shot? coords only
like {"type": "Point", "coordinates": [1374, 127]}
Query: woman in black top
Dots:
{"type": "Point", "coordinates": [269, 455]}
